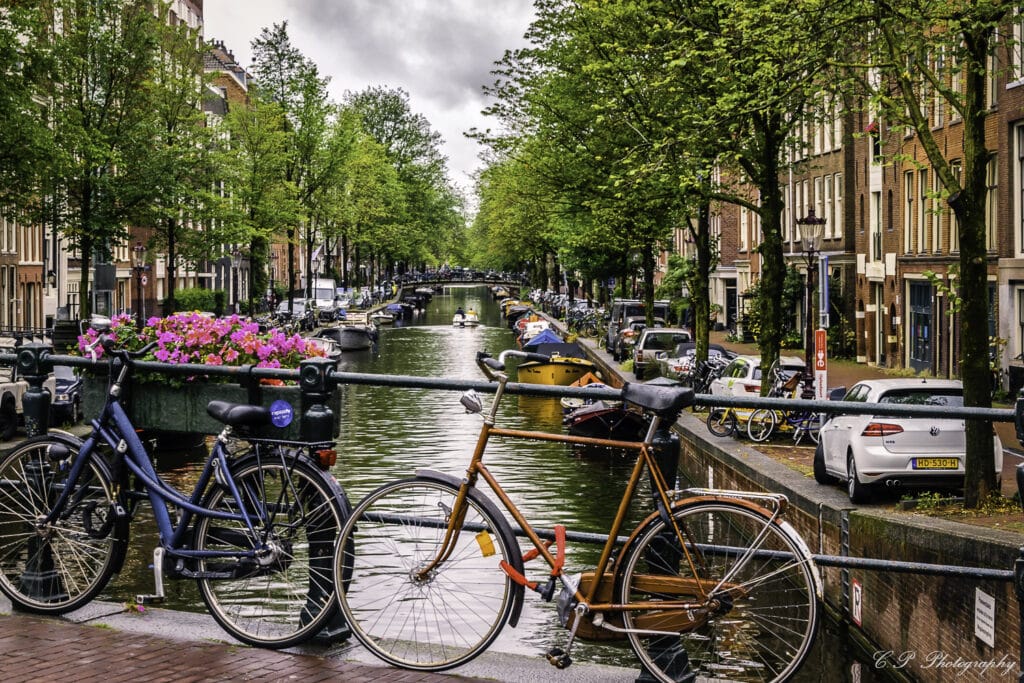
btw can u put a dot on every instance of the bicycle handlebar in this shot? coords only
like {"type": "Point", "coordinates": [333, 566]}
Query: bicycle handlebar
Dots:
{"type": "Point", "coordinates": [487, 362]}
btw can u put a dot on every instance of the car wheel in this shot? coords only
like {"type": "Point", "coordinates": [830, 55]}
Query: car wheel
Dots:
{"type": "Point", "coordinates": [821, 475]}
{"type": "Point", "coordinates": [859, 493]}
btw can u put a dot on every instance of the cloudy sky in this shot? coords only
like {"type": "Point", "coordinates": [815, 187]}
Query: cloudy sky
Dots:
{"type": "Point", "coordinates": [441, 52]}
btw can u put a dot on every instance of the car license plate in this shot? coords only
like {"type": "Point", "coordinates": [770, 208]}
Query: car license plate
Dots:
{"type": "Point", "coordinates": [936, 463]}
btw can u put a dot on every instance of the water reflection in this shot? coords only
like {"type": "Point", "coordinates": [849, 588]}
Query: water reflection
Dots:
{"type": "Point", "coordinates": [388, 433]}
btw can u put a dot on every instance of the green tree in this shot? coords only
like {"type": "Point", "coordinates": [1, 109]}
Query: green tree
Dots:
{"type": "Point", "coordinates": [101, 114]}
{"type": "Point", "coordinates": [920, 53]}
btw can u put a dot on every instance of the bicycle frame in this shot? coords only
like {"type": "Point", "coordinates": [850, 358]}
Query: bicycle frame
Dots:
{"type": "Point", "coordinates": [477, 469]}
{"type": "Point", "coordinates": [114, 428]}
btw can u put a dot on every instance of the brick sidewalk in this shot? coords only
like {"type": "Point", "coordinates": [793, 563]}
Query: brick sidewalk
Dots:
{"type": "Point", "coordinates": [45, 650]}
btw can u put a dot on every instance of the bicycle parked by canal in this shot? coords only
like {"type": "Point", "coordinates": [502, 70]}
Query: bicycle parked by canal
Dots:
{"type": "Point", "coordinates": [713, 583]}
{"type": "Point", "coordinates": [257, 532]}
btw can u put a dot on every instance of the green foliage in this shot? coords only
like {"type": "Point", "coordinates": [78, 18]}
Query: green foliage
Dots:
{"type": "Point", "coordinates": [199, 299]}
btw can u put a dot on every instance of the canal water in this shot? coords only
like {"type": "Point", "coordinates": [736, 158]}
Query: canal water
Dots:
{"type": "Point", "coordinates": [388, 433]}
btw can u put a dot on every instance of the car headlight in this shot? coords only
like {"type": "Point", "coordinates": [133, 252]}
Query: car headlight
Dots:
{"type": "Point", "coordinates": [63, 397]}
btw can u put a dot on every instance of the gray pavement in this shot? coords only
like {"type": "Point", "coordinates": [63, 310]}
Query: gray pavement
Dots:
{"type": "Point", "coordinates": [107, 643]}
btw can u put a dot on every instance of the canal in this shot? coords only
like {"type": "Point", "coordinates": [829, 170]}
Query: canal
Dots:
{"type": "Point", "coordinates": [387, 433]}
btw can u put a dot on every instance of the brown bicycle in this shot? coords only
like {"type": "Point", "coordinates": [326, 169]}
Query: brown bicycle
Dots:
{"type": "Point", "coordinates": [712, 583]}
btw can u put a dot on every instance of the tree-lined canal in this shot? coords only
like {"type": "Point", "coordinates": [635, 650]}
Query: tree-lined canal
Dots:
{"type": "Point", "coordinates": [388, 433]}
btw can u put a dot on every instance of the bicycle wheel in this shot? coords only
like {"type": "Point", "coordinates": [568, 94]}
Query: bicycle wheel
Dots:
{"type": "Point", "coordinates": [763, 583]}
{"type": "Point", "coordinates": [808, 424]}
{"type": "Point", "coordinates": [432, 622]}
{"type": "Point", "coordinates": [59, 567]}
{"type": "Point", "coordinates": [721, 421]}
{"type": "Point", "coordinates": [761, 424]}
{"type": "Point", "coordinates": [285, 594]}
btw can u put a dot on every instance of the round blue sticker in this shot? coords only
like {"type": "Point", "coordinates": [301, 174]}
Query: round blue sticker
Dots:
{"type": "Point", "coordinates": [281, 413]}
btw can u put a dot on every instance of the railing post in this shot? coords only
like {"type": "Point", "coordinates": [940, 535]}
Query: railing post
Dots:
{"type": "Point", "coordinates": [34, 366]}
{"type": "Point", "coordinates": [317, 417]}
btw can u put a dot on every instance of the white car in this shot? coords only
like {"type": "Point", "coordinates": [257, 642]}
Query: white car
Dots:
{"type": "Point", "coordinates": [869, 451]}
{"type": "Point", "coordinates": [742, 376]}
{"type": "Point", "coordinates": [678, 363]}
{"type": "Point", "coordinates": [655, 341]}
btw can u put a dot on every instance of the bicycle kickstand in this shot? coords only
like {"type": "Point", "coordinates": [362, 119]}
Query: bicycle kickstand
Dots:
{"type": "Point", "coordinates": [558, 657]}
{"type": "Point", "coordinates": [158, 580]}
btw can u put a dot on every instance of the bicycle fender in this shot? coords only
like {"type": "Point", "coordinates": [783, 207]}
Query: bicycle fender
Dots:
{"type": "Point", "coordinates": [504, 529]}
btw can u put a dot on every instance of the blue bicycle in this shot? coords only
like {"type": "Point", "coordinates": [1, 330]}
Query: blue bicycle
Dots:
{"type": "Point", "coordinates": [257, 532]}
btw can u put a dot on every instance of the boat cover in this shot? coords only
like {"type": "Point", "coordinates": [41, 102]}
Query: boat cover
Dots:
{"type": "Point", "coordinates": [571, 349]}
{"type": "Point", "coordinates": [546, 336]}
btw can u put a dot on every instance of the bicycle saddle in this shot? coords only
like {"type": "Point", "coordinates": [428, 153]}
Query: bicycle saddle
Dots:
{"type": "Point", "coordinates": [238, 414]}
{"type": "Point", "coordinates": [664, 400]}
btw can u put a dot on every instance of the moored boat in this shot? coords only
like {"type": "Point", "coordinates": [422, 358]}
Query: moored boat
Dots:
{"type": "Point", "coordinates": [356, 333]}
{"type": "Point", "coordinates": [566, 363]}
{"type": "Point", "coordinates": [603, 420]}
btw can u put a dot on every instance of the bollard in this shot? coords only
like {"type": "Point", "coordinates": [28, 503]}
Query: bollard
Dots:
{"type": "Point", "coordinates": [318, 427]}
{"type": "Point", "coordinates": [317, 417]}
{"type": "Point", "coordinates": [34, 365]}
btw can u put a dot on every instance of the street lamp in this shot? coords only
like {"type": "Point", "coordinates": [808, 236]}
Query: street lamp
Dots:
{"type": "Point", "coordinates": [236, 262]}
{"type": "Point", "coordinates": [138, 269]}
{"type": "Point", "coordinates": [811, 229]}
{"type": "Point", "coordinates": [273, 276]}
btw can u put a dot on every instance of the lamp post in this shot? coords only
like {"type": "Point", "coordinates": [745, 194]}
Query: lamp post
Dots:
{"type": "Point", "coordinates": [236, 262]}
{"type": "Point", "coordinates": [138, 269]}
{"type": "Point", "coordinates": [811, 229]}
{"type": "Point", "coordinates": [273, 276]}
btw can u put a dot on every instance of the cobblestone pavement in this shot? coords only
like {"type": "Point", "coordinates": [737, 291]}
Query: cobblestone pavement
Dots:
{"type": "Point", "coordinates": [43, 649]}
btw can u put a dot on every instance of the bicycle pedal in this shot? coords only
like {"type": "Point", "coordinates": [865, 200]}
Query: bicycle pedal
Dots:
{"type": "Point", "coordinates": [148, 599]}
{"type": "Point", "coordinates": [558, 658]}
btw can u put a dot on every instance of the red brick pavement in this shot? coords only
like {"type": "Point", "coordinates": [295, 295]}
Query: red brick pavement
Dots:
{"type": "Point", "coordinates": [44, 650]}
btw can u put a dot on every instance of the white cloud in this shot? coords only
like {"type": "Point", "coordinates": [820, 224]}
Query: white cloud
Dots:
{"type": "Point", "coordinates": [439, 51]}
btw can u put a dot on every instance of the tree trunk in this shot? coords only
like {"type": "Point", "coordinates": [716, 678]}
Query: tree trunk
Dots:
{"type": "Point", "coordinates": [773, 264]}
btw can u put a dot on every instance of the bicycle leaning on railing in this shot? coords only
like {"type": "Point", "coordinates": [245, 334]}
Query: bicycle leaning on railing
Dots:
{"type": "Point", "coordinates": [711, 582]}
{"type": "Point", "coordinates": [257, 533]}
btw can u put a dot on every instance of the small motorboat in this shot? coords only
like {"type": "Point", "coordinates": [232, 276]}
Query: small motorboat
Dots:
{"type": "Point", "coordinates": [382, 317]}
{"type": "Point", "coordinates": [467, 319]}
{"type": "Point", "coordinates": [355, 333]}
{"type": "Point", "coordinates": [566, 364]}
{"type": "Point", "coordinates": [589, 381]}
{"type": "Point", "coordinates": [607, 420]}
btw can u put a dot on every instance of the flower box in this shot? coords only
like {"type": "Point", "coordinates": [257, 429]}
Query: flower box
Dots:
{"type": "Point", "coordinates": [183, 409]}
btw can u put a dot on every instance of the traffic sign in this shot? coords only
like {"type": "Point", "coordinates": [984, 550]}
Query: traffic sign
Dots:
{"type": "Point", "coordinates": [144, 280]}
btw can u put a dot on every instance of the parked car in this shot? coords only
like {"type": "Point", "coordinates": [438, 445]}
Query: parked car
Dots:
{"type": "Point", "coordinates": [742, 376]}
{"type": "Point", "coordinates": [301, 314]}
{"type": "Point", "coordinates": [622, 347]}
{"type": "Point", "coordinates": [678, 363]}
{"type": "Point", "coordinates": [869, 451]}
{"type": "Point", "coordinates": [623, 309]}
{"type": "Point", "coordinates": [654, 341]}
{"type": "Point", "coordinates": [66, 405]}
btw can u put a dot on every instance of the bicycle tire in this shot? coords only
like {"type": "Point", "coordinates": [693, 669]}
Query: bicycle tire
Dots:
{"type": "Point", "coordinates": [809, 425]}
{"type": "Point", "coordinates": [769, 618]}
{"type": "Point", "coordinates": [436, 622]}
{"type": "Point", "coordinates": [761, 424]}
{"type": "Point", "coordinates": [721, 422]}
{"type": "Point", "coordinates": [286, 596]}
{"type": "Point", "coordinates": [62, 567]}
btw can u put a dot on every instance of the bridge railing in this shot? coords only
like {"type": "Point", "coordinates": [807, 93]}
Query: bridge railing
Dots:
{"type": "Point", "coordinates": [318, 377]}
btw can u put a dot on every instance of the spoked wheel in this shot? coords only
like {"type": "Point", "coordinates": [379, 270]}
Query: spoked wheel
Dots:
{"type": "Point", "coordinates": [283, 595]}
{"type": "Point", "coordinates": [403, 606]}
{"type": "Point", "coordinates": [763, 614]}
{"type": "Point", "coordinates": [721, 421]}
{"type": "Point", "coordinates": [761, 424]}
{"type": "Point", "coordinates": [60, 566]}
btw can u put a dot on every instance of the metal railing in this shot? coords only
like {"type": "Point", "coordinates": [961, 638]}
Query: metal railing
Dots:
{"type": "Point", "coordinates": [318, 377]}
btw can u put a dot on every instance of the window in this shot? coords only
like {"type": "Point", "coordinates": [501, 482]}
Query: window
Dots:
{"type": "Point", "coordinates": [922, 208]}
{"type": "Point", "coordinates": [837, 212]}
{"type": "Point", "coordinates": [991, 202]}
{"type": "Point", "coordinates": [1016, 47]}
{"type": "Point", "coordinates": [908, 209]}
{"type": "Point", "coordinates": [1018, 186]}
{"type": "Point", "coordinates": [875, 243]}
{"type": "Point", "coordinates": [956, 168]}
{"type": "Point", "coordinates": [744, 227]}
{"type": "Point", "coordinates": [830, 208]}
{"type": "Point", "coordinates": [936, 213]}
{"type": "Point", "coordinates": [819, 205]}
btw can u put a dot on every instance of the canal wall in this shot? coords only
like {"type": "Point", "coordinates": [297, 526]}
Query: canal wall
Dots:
{"type": "Point", "coordinates": [918, 625]}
